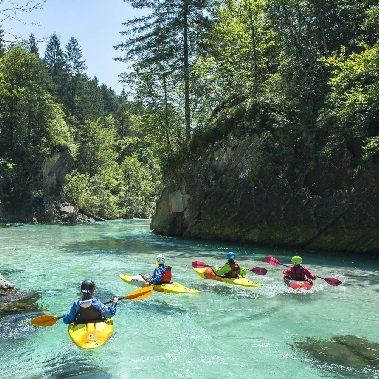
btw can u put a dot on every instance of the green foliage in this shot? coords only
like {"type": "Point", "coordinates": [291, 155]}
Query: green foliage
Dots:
{"type": "Point", "coordinates": [353, 103]}
{"type": "Point", "coordinates": [140, 188]}
{"type": "Point", "coordinates": [32, 125]}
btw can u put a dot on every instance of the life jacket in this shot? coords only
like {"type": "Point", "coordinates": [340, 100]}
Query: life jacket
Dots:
{"type": "Point", "coordinates": [298, 273]}
{"type": "Point", "coordinates": [88, 314]}
{"type": "Point", "coordinates": [166, 275]}
{"type": "Point", "coordinates": [235, 270]}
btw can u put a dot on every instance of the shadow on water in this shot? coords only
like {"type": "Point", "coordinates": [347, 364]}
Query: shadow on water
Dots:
{"type": "Point", "coordinates": [157, 306]}
{"type": "Point", "coordinates": [73, 367]}
{"type": "Point", "coordinates": [350, 356]}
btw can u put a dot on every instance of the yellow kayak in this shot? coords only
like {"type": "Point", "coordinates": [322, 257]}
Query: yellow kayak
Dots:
{"type": "Point", "coordinates": [208, 273]}
{"type": "Point", "coordinates": [168, 288]}
{"type": "Point", "coordinates": [92, 334]}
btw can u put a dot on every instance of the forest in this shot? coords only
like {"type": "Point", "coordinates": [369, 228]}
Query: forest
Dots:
{"type": "Point", "coordinates": [301, 74]}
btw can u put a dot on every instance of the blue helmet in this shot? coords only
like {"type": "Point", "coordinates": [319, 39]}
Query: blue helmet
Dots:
{"type": "Point", "coordinates": [230, 255]}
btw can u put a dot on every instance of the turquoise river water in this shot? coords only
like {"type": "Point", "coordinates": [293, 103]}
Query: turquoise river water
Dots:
{"type": "Point", "coordinates": [226, 331]}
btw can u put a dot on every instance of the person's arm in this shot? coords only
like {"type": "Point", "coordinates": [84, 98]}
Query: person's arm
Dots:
{"type": "Point", "coordinates": [106, 312]}
{"type": "Point", "coordinates": [242, 271]}
{"type": "Point", "coordinates": [157, 275]}
{"type": "Point", "coordinates": [288, 272]}
{"type": "Point", "coordinates": [309, 275]}
{"type": "Point", "coordinates": [70, 317]}
{"type": "Point", "coordinates": [223, 270]}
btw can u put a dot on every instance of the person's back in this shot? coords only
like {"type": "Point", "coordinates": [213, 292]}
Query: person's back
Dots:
{"type": "Point", "coordinates": [231, 268]}
{"type": "Point", "coordinates": [297, 271]}
{"type": "Point", "coordinates": [89, 309]}
{"type": "Point", "coordinates": [162, 273]}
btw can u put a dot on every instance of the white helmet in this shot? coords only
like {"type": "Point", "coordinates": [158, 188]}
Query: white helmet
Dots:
{"type": "Point", "coordinates": [161, 259]}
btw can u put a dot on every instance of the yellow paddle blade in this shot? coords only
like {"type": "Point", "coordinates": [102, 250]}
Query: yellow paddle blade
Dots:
{"type": "Point", "coordinates": [45, 320]}
{"type": "Point", "coordinates": [139, 294]}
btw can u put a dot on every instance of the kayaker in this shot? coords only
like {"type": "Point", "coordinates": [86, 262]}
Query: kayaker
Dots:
{"type": "Point", "coordinates": [89, 308]}
{"type": "Point", "coordinates": [298, 272]}
{"type": "Point", "coordinates": [231, 269]}
{"type": "Point", "coordinates": [162, 273]}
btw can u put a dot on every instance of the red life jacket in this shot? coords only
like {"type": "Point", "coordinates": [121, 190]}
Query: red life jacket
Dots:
{"type": "Point", "coordinates": [235, 272]}
{"type": "Point", "coordinates": [298, 273]}
{"type": "Point", "coordinates": [166, 275]}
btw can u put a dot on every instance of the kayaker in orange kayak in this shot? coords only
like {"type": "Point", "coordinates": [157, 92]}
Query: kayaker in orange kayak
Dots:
{"type": "Point", "coordinates": [297, 271]}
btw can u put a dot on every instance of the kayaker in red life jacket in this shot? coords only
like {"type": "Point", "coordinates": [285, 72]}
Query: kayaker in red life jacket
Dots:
{"type": "Point", "coordinates": [298, 272]}
{"type": "Point", "coordinates": [231, 269]}
{"type": "Point", "coordinates": [162, 273]}
{"type": "Point", "coordinates": [89, 308]}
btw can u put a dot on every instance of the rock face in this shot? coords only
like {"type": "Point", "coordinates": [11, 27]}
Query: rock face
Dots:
{"type": "Point", "coordinates": [6, 288]}
{"type": "Point", "coordinates": [239, 188]}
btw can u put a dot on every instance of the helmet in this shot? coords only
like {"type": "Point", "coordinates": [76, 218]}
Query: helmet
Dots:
{"type": "Point", "coordinates": [296, 260]}
{"type": "Point", "coordinates": [230, 255]}
{"type": "Point", "coordinates": [88, 286]}
{"type": "Point", "coordinates": [161, 259]}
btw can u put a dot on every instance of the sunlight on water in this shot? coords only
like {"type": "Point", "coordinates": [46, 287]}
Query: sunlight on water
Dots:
{"type": "Point", "coordinates": [224, 332]}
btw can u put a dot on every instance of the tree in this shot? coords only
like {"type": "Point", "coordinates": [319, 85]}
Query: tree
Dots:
{"type": "Point", "coordinates": [96, 181]}
{"type": "Point", "coordinates": [32, 44]}
{"type": "Point", "coordinates": [32, 126]}
{"type": "Point", "coordinates": [168, 38]}
{"type": "Point", "coordinates": [74, 61]}
{"type": "Point", "coordinates": [2, 43]}
{"type": "Point", "coordinates": [54, 61]}
{"type": "Point", "coordinates": [75, 67]}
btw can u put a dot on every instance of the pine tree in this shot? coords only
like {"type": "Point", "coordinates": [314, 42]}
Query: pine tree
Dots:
{"type": "Point", "coordinates": [74, 58]}
{"type": "Point", "coordinates": [32, 44]}
{"type": "Point", "coordinates": [54, 56]}
{"type": "Point", "coordinates": [168, 38]}
{"type": "Point", "coordinates": [2, 43]}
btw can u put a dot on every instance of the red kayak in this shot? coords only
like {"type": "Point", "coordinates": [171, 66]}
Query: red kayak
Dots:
{"type": "Point", "coordinates": [298, 284]}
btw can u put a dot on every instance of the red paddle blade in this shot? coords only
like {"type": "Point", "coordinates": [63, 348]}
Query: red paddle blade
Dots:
{"type": "Point", "coordinates": [259, 270]}
{"type": "Point", "coordinates": [272, 261]}
{"type": "Point", "coordinates": [199, 264]}
{"type": "Point", "coordinates": [332, 281]}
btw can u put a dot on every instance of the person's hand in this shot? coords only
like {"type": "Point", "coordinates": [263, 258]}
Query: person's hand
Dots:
{"type": "Point", "coordinates": [115, 300]}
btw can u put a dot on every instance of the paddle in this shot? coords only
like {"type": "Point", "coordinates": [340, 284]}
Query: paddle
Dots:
{"type": "Point", "coordinates": [199, 264]}
{"type": "Point", "coordinates": [276, 262]}
{"type": "Point", "coordinates": [138, 294]}
{"type": "Point", "coordinates": [259, 270]}
{"type": "Point", "coordinates": [255, 270]}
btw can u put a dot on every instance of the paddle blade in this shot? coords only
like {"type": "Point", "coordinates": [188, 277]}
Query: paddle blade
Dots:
{"type": "Point", "coordinates": [332, 281]}
{"type": "Point", "coordinates": [139, 294]}
{"type": "Point", "coordinates": [199, 264]}
{"type": "Point", "coordinates": [272, 261]}
{"type": "Point", "coordinates": [259, 270]}
{"type": "Point", "coordinates": [45, 320]}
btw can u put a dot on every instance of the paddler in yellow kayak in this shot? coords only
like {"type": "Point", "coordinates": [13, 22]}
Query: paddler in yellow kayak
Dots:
{"type": "Point", "coordinates": [89, 309]}
{"type": "Point", "coordinates": [161, 275]}
{"type": "Point", "coordinates": [231, 269]}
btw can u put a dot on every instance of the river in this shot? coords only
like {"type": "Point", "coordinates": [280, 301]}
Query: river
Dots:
{"type": "Point", "coordinates": [226, 331]}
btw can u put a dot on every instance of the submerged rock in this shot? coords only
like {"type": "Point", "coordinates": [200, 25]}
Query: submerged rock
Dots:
{"type": "Point", "coordinates": [13, 300]}
{"type": "Point", "coordinates": [348, 351]}
{"type": "Point", "coordinates": [6, 287]}
{"type": "Point", "coordinates": [18, 302]}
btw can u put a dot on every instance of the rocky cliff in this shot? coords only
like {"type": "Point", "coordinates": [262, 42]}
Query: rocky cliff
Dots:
{"type": "Point", "coordinates": [247, 184]}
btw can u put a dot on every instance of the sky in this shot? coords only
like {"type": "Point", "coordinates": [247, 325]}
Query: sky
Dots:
{"type": "Point", "coordinates": [96, 24]}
